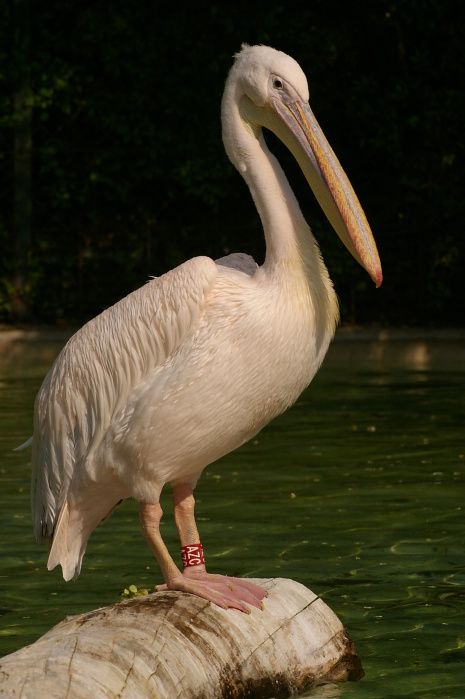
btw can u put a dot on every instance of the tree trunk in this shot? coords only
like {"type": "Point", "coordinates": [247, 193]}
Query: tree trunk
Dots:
{"type": "Point", "coordinates": [170, 644]}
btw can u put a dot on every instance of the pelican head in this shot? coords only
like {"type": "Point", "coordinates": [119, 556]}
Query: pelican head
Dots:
{"type": "Point", "coordinates": [272, 92]}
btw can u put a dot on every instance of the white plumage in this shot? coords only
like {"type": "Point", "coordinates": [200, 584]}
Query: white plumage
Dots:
{"type": "Point", "coordinates": [196, 362]}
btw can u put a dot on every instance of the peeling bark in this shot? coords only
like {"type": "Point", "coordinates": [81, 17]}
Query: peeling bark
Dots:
{"type": "Point", "coordinates": [170, 644]}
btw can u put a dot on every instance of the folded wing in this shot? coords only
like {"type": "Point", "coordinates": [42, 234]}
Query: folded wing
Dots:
{"type": "Point", "coordinates": [98, 369]}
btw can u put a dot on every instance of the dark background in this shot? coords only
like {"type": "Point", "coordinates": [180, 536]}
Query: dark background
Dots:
{"type": "Point", "coordinates": [113, 169]}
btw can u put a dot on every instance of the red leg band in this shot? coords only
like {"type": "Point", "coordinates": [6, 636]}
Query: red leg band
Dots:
{"type": "Point", "coordinates": [192, 555]}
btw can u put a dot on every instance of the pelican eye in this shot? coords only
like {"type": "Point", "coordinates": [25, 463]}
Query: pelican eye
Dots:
{"type": "Point", "coordinates": [278, 84]}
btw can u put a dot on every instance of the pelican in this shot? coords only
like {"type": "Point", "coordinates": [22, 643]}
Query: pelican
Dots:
{"type": "Point", "coordinates": [193, 364]}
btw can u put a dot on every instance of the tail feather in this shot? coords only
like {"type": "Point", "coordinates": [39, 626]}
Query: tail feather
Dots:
{"type": "Point", "coordinates": [59, 553]}
{"type": "Point", "coordinates": [75, 524]}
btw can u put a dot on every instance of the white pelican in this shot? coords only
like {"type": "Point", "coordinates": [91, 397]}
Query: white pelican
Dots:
{"type": "Point", "coordinates": [196, 362]}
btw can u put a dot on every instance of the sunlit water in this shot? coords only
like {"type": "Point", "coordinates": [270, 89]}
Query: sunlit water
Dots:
{"type": "Point", "coordinates": [357, 492]}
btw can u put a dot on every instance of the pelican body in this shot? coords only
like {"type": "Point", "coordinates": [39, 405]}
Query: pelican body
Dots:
{"type": "Point", "coordinates": [195, 363]}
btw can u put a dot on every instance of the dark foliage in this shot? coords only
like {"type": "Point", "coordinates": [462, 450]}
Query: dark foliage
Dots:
{"type": "Point", "coordinates": [110, 111]}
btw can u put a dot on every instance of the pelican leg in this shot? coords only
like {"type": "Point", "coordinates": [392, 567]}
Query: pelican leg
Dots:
{"type": "Point", "coordinates": [150, 515]}
{"type": "Point", "coordinates": [220, 589]}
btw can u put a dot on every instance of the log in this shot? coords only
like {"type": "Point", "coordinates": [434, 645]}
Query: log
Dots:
{"type": "Point", "coordinates": [170, 644]}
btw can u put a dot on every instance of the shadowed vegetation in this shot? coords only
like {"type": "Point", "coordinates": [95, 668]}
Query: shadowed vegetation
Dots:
{"type": "Point", "coordinates": [112, 166]}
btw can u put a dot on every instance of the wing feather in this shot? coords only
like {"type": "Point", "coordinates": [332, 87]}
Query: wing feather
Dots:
{"type": "Point", "coordinates": [97, 370]}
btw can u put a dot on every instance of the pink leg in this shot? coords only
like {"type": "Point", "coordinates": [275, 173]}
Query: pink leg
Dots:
{"type": "Point", "coordinates": [150, 516]}
{"type": "Point", "coordinates": [221, 590]}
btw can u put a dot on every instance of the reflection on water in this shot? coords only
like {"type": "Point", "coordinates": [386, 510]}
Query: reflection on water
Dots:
{"type": "Point", "coordinates": [357, 492]}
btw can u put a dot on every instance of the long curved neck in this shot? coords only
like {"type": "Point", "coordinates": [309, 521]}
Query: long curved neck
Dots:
{"type": "Point", "coordinates": [288, 237]}
{"type": "Point", "coordinates": [290, 244]}
{"type": "Point", "coordinates": [292, 254]}
{"type": "Point", "coordinates": [289, 241]}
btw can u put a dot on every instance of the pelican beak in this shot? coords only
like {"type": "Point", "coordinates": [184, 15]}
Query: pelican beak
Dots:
{"type": "Point", "coordinates": [306, 141]}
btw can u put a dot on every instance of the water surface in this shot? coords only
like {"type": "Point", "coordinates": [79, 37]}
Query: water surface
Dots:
{"type": "Point", "coordinates": [357, 492]}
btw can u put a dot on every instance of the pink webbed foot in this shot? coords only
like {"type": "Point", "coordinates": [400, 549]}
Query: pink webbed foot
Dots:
{"type": "Point", "coordinates": [226, 592]}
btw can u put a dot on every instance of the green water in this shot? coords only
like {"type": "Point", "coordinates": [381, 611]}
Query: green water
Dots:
{"type": "Point", "coordinates": [357, 492]}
